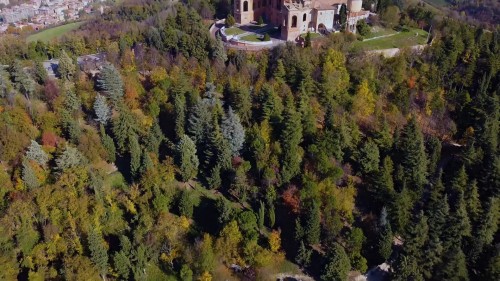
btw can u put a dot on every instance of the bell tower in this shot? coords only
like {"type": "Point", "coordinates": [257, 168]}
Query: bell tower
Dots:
{"type": "Point", "coordinates": [243, 11]}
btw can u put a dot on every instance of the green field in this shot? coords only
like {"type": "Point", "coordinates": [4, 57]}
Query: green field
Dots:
{"type": "Point", "coordinates": [403, 39]}
{"type": "Point", "coordinates": [377, 31]}
{"type": "Point", "coordinates": [233, 31]}
{"type": "Point", "coordinates": [47, 35]}
{"type": "Point", "coordinates": [314, 35]}
{"type": "Point", "coordinates": [253, 38]}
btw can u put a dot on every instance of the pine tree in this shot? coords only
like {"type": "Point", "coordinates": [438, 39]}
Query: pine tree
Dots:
{"type": "Point", "coordinates": [338, 266]}
{"type": "Point", "coordinates": [29, 176]}
{"type": "Point", "coordinates": [385, 242]}
{"type": "Point", "coordinates": [291, 136]}
{"type": "Point", "coordinates": [35, 152]}
{"type": "Point", "coordinates": [101, 108]}
{"type": "Point", "coordinates": [271, 216]}
{"type": "Point", "coordinates": [218, 50]}
{"type": "Point", "coordinates": [124, 126]}
{"type": "Point", "coordinates": [233, 131]}
{"type": "Point", "coordinates": [412, 157]}
{"type": "Point", "coordinates": [146, 163]}
{"type": "Point", "coordinates": [135, 155]}
{"type": "Point", "coordinates": [186, 204]}
{"type": "Point", "coordinates": [416, 237]}
{"type": "Point", "coordinates": [313, 223]}
{"type": "Point", "coordinates": [40, 73]}
{"type": "Point", "coordinates": [454, 266]}
{"type": "Point", "coordinates": [472, 201]}
{"type": "Point", "coordinates": [187, 160]}
{"type": "Point", "coordinates": [261, 217]}
{"type": "Point", "coordinates": [121, 259]}
{"type": "Point", "coordinates": [70, 158]}
{"type": "Point", "coordinates": [180, 113]}
{"type": "Point", "coordinates": [279, 73]}
{"type": "Point", "coordinates": [109, 145]}
{"type": "Point", "coordinates": [368, 157]}
{"type": "Point", "coordinates": [66, 67]}
{"type": "Point", "coordinates": [111, 83]}
{"type": "Point", "coordinates": [98, 252]}
{"type": "Point", "coordinates": [304, 254]}
{"type": "Point", "coordinates": [154, 138]}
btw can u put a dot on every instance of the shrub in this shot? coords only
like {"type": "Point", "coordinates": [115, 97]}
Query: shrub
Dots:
{"type": "Point", "coordinates": [267, 37]}
{"type": "Point", "coordinates": [260, 21]}
{"type": "Point", "coordinates": [230, 21]}
{"type": "Point", "coordinates": [363, 28]}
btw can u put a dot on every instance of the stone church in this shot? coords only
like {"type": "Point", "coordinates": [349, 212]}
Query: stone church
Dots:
{"type": "Point", "coordinates": [300, 16]}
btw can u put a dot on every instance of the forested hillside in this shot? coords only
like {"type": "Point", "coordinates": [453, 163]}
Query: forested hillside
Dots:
{"type": "Point", "coordinates": [182, 160]}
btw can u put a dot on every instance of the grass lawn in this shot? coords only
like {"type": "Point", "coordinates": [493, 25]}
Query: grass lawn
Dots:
{"type": "Point", "coordinates": [380, 31]}
{"type": "Point", "coordinates": [47, 35]}
{"type": "Point", "coordinates": [253, 38]}
{"type": "Point", "coordinates": [233, 31]}
{"type": "Point", "coordinates": [314, 35]}
{"type": "Point", "coordinates": [403, 39]}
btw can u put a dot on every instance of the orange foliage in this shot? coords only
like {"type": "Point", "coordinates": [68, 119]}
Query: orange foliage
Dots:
{"type": "Point", "coordinates": [291, 198]}
{"type": "Point", "coordinates": [412, 81]}
{"type": "Point", "coordinates": [49, 139]}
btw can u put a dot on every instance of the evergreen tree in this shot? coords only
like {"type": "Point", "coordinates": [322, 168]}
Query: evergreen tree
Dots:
{"type": "Point", "coordinates": [416, 237]}
{"type": "Point", "coordinates": [218, 50]}
{"type": "Point", "coordinates": [433, 148]}
{"type": "Point", "coordinates": [124, 126]}
{"type": "Point", "coordinates": [111, 83]}
{"type": "Point", "coordinates": [109, 146]}
{"type": "Point", "coordinates": [343, 16]}
{"type": "Point", "coordinates": [368, 157]}
{"type": "Point", "coordinates": [338, 266]}
{"type": "Point", "coordinates": [186, 204]}
{"type": "Point", "coordinates": [385, 242]}
{"type": "Point", "coordinates": [35, 152]}
{"type": "Point", "coordinates": [98, 252]}
{"type": "Point", "coordinates": [40, 73]}
{"type": "Point", "coordinates": [186, 274]}
{"type": "Point", "coordinates": [261, 215]}
{"type": "Point", "coordinates": [454, 266]}
{"type": "Point", "coordinates": [29, 176]}
{"type": "Point", "coordinates": [313, 226]}
{"type": "Point", "coordinates": [102, 111]}
{"type": "Point", "coordinates": [135, 155]}
{"type": "Point", "coordinates": [304, 254]}
{"type": "Point", "coordinates": [180, 113]}
{"type": "Point", "coordinates": [66, 67]}
{"type": "Point", "coordinates": [279, 73]}
{"type": "Point", "coordinates": [187, 160]}
{"type": "Point", "coordinates": [412, 155]}
{"type": "Point", "coordinates": [69, 158]}
{"type": "Point", "coordinates": [233, 131]}
{"type": "Point", "coordinates": [154, 138]}
{"type": "Point", "coordinates": [121, 259]}
{"type": "Point", "coordinates": [291, 136]}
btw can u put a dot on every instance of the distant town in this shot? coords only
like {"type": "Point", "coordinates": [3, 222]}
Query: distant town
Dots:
{"type": "Point", "coordinates": [39, 14]}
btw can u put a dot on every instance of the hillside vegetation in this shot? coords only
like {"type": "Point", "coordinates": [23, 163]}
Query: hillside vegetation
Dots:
{"type": "Point", "coordinates": [182, 160]}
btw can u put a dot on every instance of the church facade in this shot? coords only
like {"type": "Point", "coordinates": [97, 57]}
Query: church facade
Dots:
{"type": "Point", "coordinates": [297, 17]}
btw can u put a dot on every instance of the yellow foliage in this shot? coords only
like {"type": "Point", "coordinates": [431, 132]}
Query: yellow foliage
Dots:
{"type": "Point", "coordinates": [158, 74]}
{"type": "Point", "coordinates": [364, 101]}
{"type": "Point", "coordinates": [128, 60]}
{"type": "Point", "coordinates": [184, 222]}
{"type": "Point", "coordinates": [344, 196]}
{"type": "Point", "coordinates": [206, 276]}
{"type": "Point", "coordinates": [275, 241]}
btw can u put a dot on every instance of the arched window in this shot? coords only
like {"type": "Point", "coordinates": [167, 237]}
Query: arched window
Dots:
{"type": "Point", "coordinates": [245, 6]}
{"type": "Point", "coordinates": [294, 21]}
{"type": "Point", "coordinates": [304, 17]}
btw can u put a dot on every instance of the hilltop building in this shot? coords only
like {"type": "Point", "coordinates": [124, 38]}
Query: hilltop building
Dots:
{"type": "Point", "coordinates": [300, 16]}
